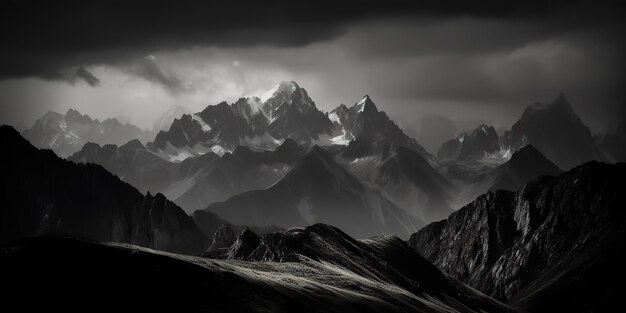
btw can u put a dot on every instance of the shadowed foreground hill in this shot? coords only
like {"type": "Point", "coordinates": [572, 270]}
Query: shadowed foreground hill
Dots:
{"type": "Point", "coordinates": [557, 244]}
{"type": "Point", "coordinates": [43, 194]}
{"type": "Point", "coordinates": [329, 272]}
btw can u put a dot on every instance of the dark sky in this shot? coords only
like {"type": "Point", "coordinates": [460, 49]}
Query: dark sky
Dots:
{"type": "Point", "coordinates": [467, 61]}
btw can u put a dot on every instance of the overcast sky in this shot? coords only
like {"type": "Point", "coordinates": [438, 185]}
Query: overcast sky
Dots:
{"type": "Point", "coordinates": [468, 63]}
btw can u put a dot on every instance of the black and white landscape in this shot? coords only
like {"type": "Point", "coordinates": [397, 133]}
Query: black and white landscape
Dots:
{"type": "Point", "coordinates": [312, 157]}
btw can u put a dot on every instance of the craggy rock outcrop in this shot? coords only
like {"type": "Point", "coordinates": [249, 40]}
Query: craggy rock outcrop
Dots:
{"type": "Point", "coordinates": [556, 238]}
{"type": "Point", "coordinates": [246, 242]}
{"type": "Point", "coordinates": [223, 238]}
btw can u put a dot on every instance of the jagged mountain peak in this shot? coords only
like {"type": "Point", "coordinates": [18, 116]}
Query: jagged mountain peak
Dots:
{"type": "Point", "coordinates": [341, 108]}
{"type": "Point", "coordinates": [66, 134]}
{"type": "Point", "coordinates": [555, 130]}
{"type": "Point", "coordinates": [467, 147]}
{"type": "Point", "coordinates": [286, 91]}
{"type": "Point", "coordinates": [73, 115]}
{"type": "Point", "coordinates": [484, 130]}
{"type": "Point", "coordinates": [559, 108]}
{"type": "Point", "coordinates": [246, 242]}
{"type": "Point", "coordinates": [366, 105]}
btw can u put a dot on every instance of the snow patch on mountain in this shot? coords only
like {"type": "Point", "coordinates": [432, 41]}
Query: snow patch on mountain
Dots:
{"type": "Point", "coordinates": [177, 155]}
{"type": "Point", "coordinates": [205, 127]}
{"type": "Point", "coordinates": [361, 104]}
{"type": "Point", "coordinates": [343, 139]}
{"type": "Point", "coordinates": [219, 150]}
{"type": "Point", "coordinates": [260, 143]}
{"type": "Point", "coordinates": [270, 93]}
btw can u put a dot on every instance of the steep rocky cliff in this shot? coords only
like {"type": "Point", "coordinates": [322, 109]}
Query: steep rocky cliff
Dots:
{"type": "Point", "coordinates": [556, 243]}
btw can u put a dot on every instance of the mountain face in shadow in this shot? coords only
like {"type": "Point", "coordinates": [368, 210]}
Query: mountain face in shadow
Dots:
{"type": "Point", "coordinates": [556, 131]}
{"type": "Point", "coordinates": [556, 238]}
{"type": "Point", "coordinates": [329, 272]}
{"type": "Point", "coordinates": [483, 140]}
{"type": "Point", "coordinates": [66, 134]}
{"type": "Point", "coordinates": [46, 195]}
{"type": "Point", "coordinates": [405, 178]}
{"type": "Point", "coordinates": [316, 190]}
{"type": "Point", "coordinates": [523, 167]}
{"type": "Point", "coordinates": [613, 144]}
{"type": "Point", "coordinates": [526, 165]}
{"type": "Point", "coordinates": [195, 182]}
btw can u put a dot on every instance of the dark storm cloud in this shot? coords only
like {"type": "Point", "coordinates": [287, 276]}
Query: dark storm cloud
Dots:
{"type": "Point", "coordinates": [43, 38]}
{"type": "Point", "coordinates": [87, 76]}
{"type": "Point", "coordinates": [71, 76]}
{"type": "Point", "coordinates": [148, 69]}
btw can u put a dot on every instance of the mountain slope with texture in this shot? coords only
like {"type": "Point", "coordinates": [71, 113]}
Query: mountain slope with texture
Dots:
{"type": "Point", "coordinates": [376, 275]}
{"type": "Point", "coordinates": [46, 195]}
{"type": "Point", "coordinates": [195, 182]}
{"type": "Point", "coordinates": [318, 190]}
{"type": "Point", "coordinates": [556, 238]}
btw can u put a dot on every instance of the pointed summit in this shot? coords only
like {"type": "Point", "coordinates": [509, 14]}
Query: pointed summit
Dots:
{"type": "Point", "coordinates": [557, 132]}
{"type": "Point", "coordinates": [286, 94]}
{"type": "Point", "coordinates": [366, 104]}
{"type": "Point", "coordinates": [561, 99]}
{"type": "Point", "coordinates": [75, 116]}
{"type": "Point", "coordinates": [284, 89]}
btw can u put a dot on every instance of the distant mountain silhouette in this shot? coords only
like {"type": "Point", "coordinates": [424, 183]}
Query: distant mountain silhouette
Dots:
{"type": "Point", "coordinates": [66, 134]}
{"type": "Point", "coordinates": [556, 131]}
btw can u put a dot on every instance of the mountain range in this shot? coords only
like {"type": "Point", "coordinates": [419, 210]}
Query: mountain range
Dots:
{"type": "Point", "coordinates": [66, 134]}
{"type": "Point", "coordinates": [230, 209]}
{"type": "Point", "coordinates": [237, 160]}
{"type": "Point", "coordinates": [262, 123]}
{"type": "Point", "coordinates": [216, 159]}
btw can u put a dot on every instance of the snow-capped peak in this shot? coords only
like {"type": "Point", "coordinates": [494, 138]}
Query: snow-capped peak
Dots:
{"type": "Point", "coordinates": [286, 88]}
{"type": "Point", "coordinates": [270, 93]}
{"type": "Point", "coordinates": [361, 104]}
{"type": "Point", "coordinates": [365, 104]}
